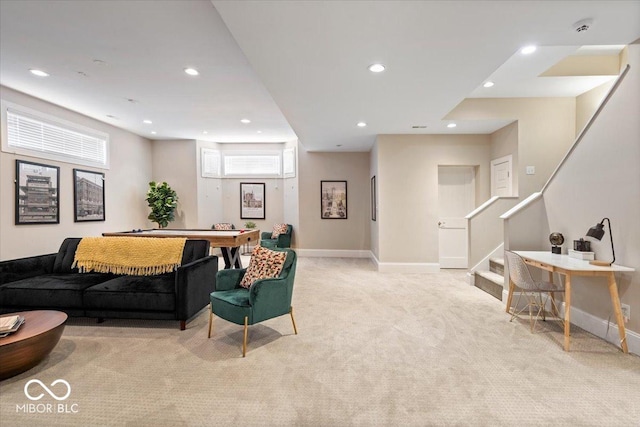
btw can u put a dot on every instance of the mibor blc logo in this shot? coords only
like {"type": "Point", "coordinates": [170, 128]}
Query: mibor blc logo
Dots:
{"type": "Point", "coordinates": [36, 390]}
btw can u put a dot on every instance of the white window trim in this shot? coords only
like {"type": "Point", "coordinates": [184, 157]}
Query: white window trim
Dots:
{"type": "Point", "coordinates": [5, 105]}
{"type": "Point", "coordinates": [285, 151]}
{"type": "Point", "coordinates": [204, 152]}
{"type": "Point", "coordinates": [277, 152]}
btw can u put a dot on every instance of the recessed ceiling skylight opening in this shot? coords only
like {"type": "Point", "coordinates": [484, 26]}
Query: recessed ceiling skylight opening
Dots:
{"type": "Point", "coordinates": [38, 73]}
{"type": "Point", "coordinates": [527, 50]}
{"type": "Point", "coordinates": [376, 68]}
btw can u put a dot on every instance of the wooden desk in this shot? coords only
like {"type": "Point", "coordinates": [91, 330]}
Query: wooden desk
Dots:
{"type": "Point", "coordinates": [229, 241]}
{"type": "Point", "coordinates": [564, 264]}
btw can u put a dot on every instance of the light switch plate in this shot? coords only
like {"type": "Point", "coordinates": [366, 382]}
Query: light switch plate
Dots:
{"type": "Point", "coordinates": [531, 170]}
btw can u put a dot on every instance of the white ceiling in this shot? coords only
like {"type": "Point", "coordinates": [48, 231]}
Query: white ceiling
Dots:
{"type": "Point", "coordinates": [297, 68]}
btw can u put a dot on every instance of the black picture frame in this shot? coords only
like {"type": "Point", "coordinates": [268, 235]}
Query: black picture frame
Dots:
{"type": "Point", "coordinates": [373, 198]}
{"type": "Point", "coordinates": [37, 193]}
{"type": "Point", "coordinates": [252, 200]}
{"type": "Point", "coordinates": [88, 196]}
{"type": "Point", "coordinates": [333, 199]}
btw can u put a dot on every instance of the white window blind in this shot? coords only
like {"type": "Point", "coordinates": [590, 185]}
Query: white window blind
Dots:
{"type": "Point", "coordinates": [210, 163]}
{"type": "Point", "coordinates": [56, 139]}
{"type": "Point", "coordinates": [251, 165]}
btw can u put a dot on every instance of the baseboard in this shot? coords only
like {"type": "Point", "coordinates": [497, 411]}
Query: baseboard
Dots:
{"type": "Point", "coordinates": [333, 253]}
{"type": "Point", "coordinates": [595, 326]}
{"type": "Point", "coordinates": [471, 277]}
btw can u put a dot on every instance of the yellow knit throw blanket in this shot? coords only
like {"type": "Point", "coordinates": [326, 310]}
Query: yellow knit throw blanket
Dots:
{"type": "Point", "coordinates": [142, 256]}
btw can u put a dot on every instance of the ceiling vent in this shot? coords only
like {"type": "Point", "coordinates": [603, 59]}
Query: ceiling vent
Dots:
{"type": "Point", "coordinates": [582, 26]}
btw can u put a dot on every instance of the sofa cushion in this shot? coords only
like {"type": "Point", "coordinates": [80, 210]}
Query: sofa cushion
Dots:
{"type": "Point", "coordinates": [50, 290]}
{"type": "Point", "coordinates": [66, 255]}
{"type": "Point", "coordinates": [279, 229]}
{"type": "Point", "coordinates": [141, 293]}
{"type": "Point", "coordinates": [194, 250]}
{"type": "Point", "coordinates": [264, 264]}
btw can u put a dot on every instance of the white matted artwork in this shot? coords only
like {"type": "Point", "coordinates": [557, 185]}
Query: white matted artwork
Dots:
{"type": "Point", "coordinates": [333, 199]}
{"type": "Point", "coordinates": [252, 201]}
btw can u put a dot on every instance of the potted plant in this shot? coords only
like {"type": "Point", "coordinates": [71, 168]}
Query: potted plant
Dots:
{"type": "Point", "coordinates": [250, 225]}
{"type": "Point", "coordinates": [163, 201]}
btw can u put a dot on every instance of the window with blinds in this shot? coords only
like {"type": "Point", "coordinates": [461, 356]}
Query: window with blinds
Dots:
{"type": "Point", "coordinates": [49, 138]}
{"type": "Point", "coordinates": [252, 165]}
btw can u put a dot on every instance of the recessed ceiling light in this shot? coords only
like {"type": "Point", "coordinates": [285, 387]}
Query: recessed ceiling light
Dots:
{"type": "Point", "coordinates": [38, 73]}
{"type": "Point", "coordinates": [376, 68]}
{"type": "Point", "coordinates": [153, 132]}
{"type": "Point", "coordinates": [259, 131]}
{"type": "Point", "coordinates": [361, 124]}
{"type": "Point", "coordinates": [451, 125]}
{"type": "Point", "coordinates": [528, 50]}
{"type": "Point", "coordinates": [488, 84]}
{"type": "Point", "coordinates": [338, 145]}
{"type": "Point", "coordinates": [245, 121]}
{"type": "Point", "coordinates": [148, 122]}
{"type": "Point", "coordinates": [205, 132]}
{"type": "Point", "coordinates": [191, 71]}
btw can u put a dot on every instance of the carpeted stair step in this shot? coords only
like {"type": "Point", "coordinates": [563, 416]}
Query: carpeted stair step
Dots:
{"type": "Point", "coordinates": [497, 265]}
{"type": "Point", "coordinates": [490, 282]}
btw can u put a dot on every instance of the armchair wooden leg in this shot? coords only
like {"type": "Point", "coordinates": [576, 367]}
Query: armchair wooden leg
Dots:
{"type": "Point", "coordinates": [244, 342]}
{"type": "Point", "coordinates": [210, 322]}
{"type": "Point", "coordinates": [293, 321]}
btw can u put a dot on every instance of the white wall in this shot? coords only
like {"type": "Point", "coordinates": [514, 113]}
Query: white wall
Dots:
{"type": "Point", "coordinates": [125, 187]}
{"type": "Point", "coordinates": [601, 179]}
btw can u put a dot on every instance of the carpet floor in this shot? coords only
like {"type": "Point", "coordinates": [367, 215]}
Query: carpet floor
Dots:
{"type": "Point", "coordinates": [373, 349]}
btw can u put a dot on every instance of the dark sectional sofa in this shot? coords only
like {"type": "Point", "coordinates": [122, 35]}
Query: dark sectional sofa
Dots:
{"type": "Point", "coordinates": [49, 282]}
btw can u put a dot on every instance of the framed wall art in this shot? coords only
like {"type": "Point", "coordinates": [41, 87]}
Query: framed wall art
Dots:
{"type": "Point", "coordinates": [373, 198]}
{"type": "Point", "coordinates": [333, 199]}
{"type": "Point", "coordinates": [252, 200]}
{"type": "Point", "coordinates": [88, 196]}
{"type": "Point", "coordinates": [37, 193]}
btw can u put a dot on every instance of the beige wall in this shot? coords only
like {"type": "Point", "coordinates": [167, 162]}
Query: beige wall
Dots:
{"type": "Point", "coordinates": [125, 187]}
{"type": "Point", "coordinates": [588, 103]}
{"type": "Point", "coordinates": [338, 234]}
{"type": "Point", "coordinates": [175, 162]}
{"type": "Point", "coordinates": [546, 130]}
{"type": "Point", "coordinates": [602, 179]}
{"type": "Point", "coordinates": [408, 190]}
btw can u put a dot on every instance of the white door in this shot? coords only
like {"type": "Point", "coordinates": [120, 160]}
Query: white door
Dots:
{"type": "Point", "coordinates": [501, 177]}
{"type": "Point", "coordinates": [456, 198]}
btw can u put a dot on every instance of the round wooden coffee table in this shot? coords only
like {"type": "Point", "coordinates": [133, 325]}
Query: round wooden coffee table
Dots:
{"type": "Point", "coordinates": [25, 348]}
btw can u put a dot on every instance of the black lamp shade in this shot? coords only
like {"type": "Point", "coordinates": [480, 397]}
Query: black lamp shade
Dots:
{"type": "Point", "coordinates": [597, 231]}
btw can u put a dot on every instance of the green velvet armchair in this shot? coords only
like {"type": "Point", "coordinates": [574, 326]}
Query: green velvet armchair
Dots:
{"type": "Point", "coordinates": [265, 299]}
{"type": "Point", "coordinates": [283, 240]}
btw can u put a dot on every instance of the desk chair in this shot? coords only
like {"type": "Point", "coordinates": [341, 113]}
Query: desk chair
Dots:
{"type": "Point", "coordinates": [520, 277]}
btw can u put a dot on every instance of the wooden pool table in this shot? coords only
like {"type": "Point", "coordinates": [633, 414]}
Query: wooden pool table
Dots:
{"type": "Point", "coordinates": [229, 241]}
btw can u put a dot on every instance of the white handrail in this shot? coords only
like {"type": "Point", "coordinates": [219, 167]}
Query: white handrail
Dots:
{"type": "Point", "coordinates": [521, 205]}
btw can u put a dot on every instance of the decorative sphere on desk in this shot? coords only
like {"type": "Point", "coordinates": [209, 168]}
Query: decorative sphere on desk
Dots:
{"type": "Point", "coordinates": [556, 238]}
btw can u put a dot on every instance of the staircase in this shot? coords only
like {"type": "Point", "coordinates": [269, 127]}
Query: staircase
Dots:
{"type": "Point", "coordinates": [492, 282]}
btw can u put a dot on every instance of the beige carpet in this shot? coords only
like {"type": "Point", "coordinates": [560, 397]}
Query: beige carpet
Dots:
{"type": "Point", "coordinates": [373, 349]}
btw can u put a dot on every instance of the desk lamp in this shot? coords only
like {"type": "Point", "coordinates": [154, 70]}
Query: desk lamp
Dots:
{"type": "Point", "coordinates": [597, 231]}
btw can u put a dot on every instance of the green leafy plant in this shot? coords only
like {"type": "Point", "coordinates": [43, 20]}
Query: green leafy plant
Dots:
{"type": "Point", "coordinates": [163, 201]}
{"type": "Point", "coordinates": [250, 224]}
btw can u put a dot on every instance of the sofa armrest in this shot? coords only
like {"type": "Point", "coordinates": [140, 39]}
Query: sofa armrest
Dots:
{"type": "Point", "coordinates": [229, 279]}
{"type": "Point", "coordinates": [194, 283]}
{"type": "Point", "coordinates": [269, 298]}
{"type": "Point", "coordinates": [266, 235]}
{"type": "Point", "coordinates": [24, 268]}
